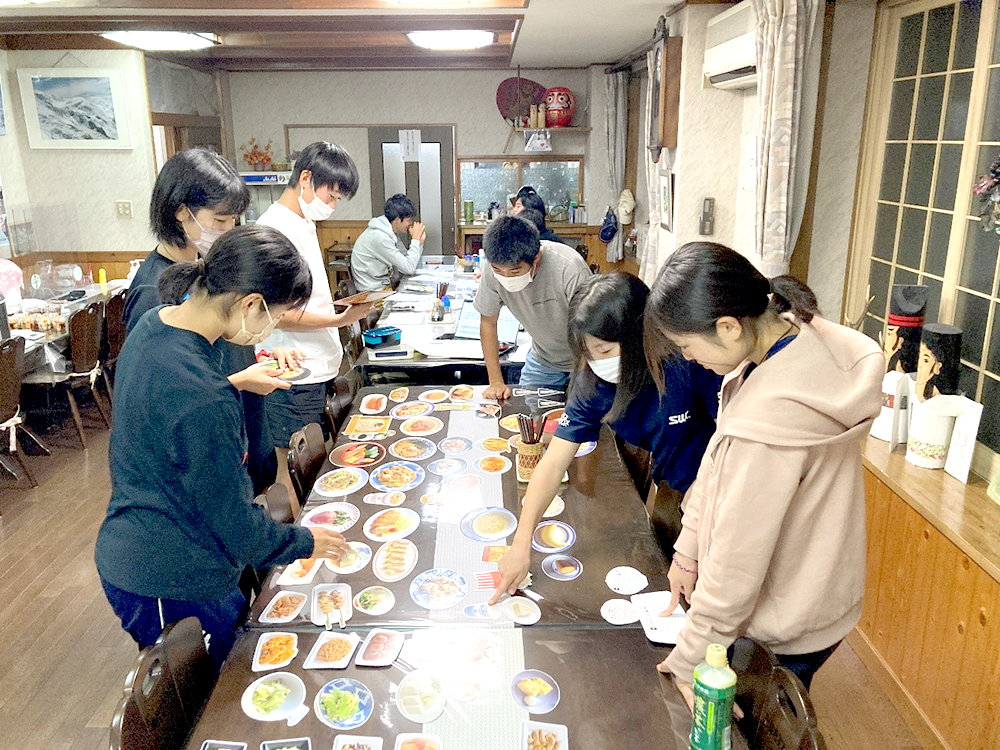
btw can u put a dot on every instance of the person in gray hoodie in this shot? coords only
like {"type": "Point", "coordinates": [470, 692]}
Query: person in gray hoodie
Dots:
{"type": "Point", "coordinates": [773, 540]}
{"type": "Point", "coordinates": [378, 250]}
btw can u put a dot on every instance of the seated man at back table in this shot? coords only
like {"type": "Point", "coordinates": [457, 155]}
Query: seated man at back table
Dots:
{"type": "Point", "coordinates": [535, 279]}
{"type": "Point", "coordinates": [378, 250]}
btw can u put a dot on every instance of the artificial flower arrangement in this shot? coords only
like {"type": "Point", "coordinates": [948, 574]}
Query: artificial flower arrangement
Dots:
{"type": "Point", "coordinates": [987, 187]}
{"type": "Point", "coordinates": [255, 156]}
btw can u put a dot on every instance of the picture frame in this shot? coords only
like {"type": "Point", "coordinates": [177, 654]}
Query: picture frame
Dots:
{"type": "Point", "coordinates": [75, 108]}
{"type": "Point", "coordinates": [654, 138]}
{"type": "Point", "coordinates": [666, 93]}
{"type": "Point", "coordinates": [667, 201]}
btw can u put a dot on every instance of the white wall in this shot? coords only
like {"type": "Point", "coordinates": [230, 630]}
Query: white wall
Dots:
{"type": "Point", "coordinates": [840, 147]}
{"type": "Point", "coordinates": [71, 193]}
{"type": "Point", "coordinates": [706, 161]}
{"type": "Point", "coordinates": [15, 187]}
{"type": "Point", "coordinates": [263, 103]}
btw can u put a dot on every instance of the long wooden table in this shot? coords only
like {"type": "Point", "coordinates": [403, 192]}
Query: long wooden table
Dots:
{"type": "Point", "coordinates": [611, 693]}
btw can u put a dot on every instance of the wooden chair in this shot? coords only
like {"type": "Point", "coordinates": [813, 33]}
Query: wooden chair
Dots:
{"type": "Point", "coordinates": [187, 665]}
{"type": "Point", "coordinates": [113, 337]}
{"type": "Point", "coordinates": [338, 403]}
{"type": "Point", "coordinates": [639, 464]}
{"type": "Point", "coordinates": [278, 503]}
{"type": "Point", "coordinates": [150, 715]}
{"type": "Point", "coordinates": [306, 453]}
{"type": "Point", "coordinates": [777, 711]}
{"type": "Point", "coordinates": [753, 663]}
{"type": "Point", "coordinates": [11, 422]}
{"type": "Point", "coordinates": [85, 328]}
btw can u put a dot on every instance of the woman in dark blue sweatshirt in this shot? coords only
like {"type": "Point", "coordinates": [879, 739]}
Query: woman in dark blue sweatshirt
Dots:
{"type": "Point", "coordinates": [181, 525]}
{"type": "Point", "coordinates": [612, 384]}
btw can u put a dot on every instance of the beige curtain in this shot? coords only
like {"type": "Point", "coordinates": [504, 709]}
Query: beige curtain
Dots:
{"type": "Point", "coordinates": [649, 262]}
{"type": "Point", "coordinates": [616, 86]}
{"type": "Point", "coordinates": [787, 75]}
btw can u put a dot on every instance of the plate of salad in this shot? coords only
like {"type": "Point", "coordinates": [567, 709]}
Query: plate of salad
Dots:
{"type": "Point", "coordinates": [344, 703]}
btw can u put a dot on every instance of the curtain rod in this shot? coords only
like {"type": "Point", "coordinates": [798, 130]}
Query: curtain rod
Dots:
{"type": "Point", "coordinates": [639, 52]}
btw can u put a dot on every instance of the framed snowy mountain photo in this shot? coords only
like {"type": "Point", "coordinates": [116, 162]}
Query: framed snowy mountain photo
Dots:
{"type": "Point", "coordinates": [75, 107]}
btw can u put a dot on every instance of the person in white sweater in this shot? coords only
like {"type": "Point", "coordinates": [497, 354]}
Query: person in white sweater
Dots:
{"type": "Point", "coordinates": [773, 540]}
{"type": "Point", "coordinates": [378, 251]}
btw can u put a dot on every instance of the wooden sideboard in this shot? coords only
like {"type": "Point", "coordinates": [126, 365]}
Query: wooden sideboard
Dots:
{"type": "Point", "coordinates": [931, 621]}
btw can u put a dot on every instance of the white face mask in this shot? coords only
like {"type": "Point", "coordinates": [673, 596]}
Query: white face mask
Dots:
{"type": "Point", "coordinates": [607, 369]}
{"type": "Point", "coordinates": [208, 237]}
{"type": "Point", "coordinates": [315, 209]}
{"type": "Point", "coordinates": [515, 283]}
{"type": "Point", "coordinates": [243, 337]}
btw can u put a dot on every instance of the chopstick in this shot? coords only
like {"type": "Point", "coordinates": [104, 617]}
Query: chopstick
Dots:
{"type": "Point", "coordinates": [529, 435]}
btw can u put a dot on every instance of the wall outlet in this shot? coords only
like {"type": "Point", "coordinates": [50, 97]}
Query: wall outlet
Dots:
{"type": "Point", "coordinates": [123, 209]}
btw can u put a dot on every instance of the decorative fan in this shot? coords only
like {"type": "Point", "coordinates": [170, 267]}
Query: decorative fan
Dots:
{"type": "Point", "coordinates": [515, 97]}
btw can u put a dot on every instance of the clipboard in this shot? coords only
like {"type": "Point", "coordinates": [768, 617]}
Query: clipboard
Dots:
{"type": "Point", "coordinates": [362, 298]}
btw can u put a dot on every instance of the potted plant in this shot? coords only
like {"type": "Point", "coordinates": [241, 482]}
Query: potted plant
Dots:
{"type": "Point", "coordinates": [256, 157]}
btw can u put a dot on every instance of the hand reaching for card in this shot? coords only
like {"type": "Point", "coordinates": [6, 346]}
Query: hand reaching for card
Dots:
{"type": "Point", "coordinates": [513, 570]}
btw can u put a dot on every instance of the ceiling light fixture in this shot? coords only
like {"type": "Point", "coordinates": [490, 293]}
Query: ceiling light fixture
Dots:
{"type": "Point", "coordinates": [456, 39]}
{"type": "Point", "coordinates": [433, 2]}
{"type": "Point", "coordinates": [163, 41]}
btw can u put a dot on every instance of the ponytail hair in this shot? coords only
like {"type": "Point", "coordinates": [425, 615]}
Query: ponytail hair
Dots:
{"type": "Point", "coordinates": [250, 259]}
{"type": "Point", "coordinates": [704, 281]}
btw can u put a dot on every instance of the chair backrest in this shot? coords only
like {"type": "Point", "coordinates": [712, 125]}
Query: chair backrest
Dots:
{"type": "Point", "coordinates": [787, 719]}
{"type": "Point", "coordinates": [639, 464]}
{"type": "Point", "coordinates": [85, 328]}
{"type": "Point", "coordinates": [338, 403]}
{"type": "Point", "coordinates": [114, 327]}
{"type": "Point", "coordinates": [278, 503]}
{"type": "Point", "coordinates": [753, 663]}
{"type": "Point", "coordinates": [306, 452]}
{"type": "Point", "coordinates": [11, 364]}
{"type": "Point", "coordinates": [150, 716]}
{"type": "Point", "coordinates": [187, 665]}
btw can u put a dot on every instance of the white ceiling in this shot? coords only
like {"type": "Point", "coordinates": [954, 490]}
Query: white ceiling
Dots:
{"type": "Point", "coordinates": [573, 33]}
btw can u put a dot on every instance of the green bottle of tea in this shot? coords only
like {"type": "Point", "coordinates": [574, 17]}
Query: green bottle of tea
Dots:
{"type": "Point", "coordinates": [714, 691]}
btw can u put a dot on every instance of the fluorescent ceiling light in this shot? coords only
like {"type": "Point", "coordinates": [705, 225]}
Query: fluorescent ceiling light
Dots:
{"type": "Point", "coordinates": [162, 41]}
{"type": "Point", "coordinates": [433, 2]}
{"type": "Point", "coordinates": [458, 39]}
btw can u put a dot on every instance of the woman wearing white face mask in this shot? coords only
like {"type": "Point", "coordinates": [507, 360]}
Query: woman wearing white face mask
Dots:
{"type": "Point", "coordinates": [181, 524]}
{"type": "Point", "coordinates": [196, 199]}
{"type": "Point", "coordinates": [612, 384]}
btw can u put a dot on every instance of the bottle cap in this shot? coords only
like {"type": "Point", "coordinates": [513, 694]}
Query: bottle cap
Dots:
{"type": "Point", "coordinates": [716, 655]}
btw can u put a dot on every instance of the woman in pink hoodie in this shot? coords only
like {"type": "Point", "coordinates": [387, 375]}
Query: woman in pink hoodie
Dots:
{"type": "Point", "coordinates": [773, 540]}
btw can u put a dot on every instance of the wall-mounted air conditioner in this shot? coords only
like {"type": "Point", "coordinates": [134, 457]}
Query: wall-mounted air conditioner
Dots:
{"type": "Point", "coordinates": [731, 48]}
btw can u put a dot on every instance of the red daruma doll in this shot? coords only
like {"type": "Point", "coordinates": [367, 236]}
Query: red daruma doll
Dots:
{"type": "Point", "coordinates": [560, 106]}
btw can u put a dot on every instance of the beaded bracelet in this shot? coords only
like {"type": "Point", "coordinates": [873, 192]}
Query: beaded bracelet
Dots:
{"type": "Point", "coordinates": [686, 570]}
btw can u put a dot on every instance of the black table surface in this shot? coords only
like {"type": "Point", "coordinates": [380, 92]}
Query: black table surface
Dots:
{"type": "Point", "coordinates": [602, 506]}
{"type": "Point", "coordinates": [611, 695]}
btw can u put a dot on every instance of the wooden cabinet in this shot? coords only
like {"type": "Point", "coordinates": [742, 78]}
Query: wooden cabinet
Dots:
{"type": "Point", "coordinates": [931, 609]}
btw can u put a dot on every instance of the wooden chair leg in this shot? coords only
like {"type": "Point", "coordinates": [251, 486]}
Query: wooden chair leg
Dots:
{"type": "Point", "coordinates": [12, 469]}
{"type": "Point", "coordinates": [99, 400]}
{"type": "Point", "coordinates": [76, 416]}
{"type": "Point", "coordinates": [24, 468]}
{"type": "Point", "coordinates": [107, 384]}
{"type": "Point", "coordinates": [35, 439]}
